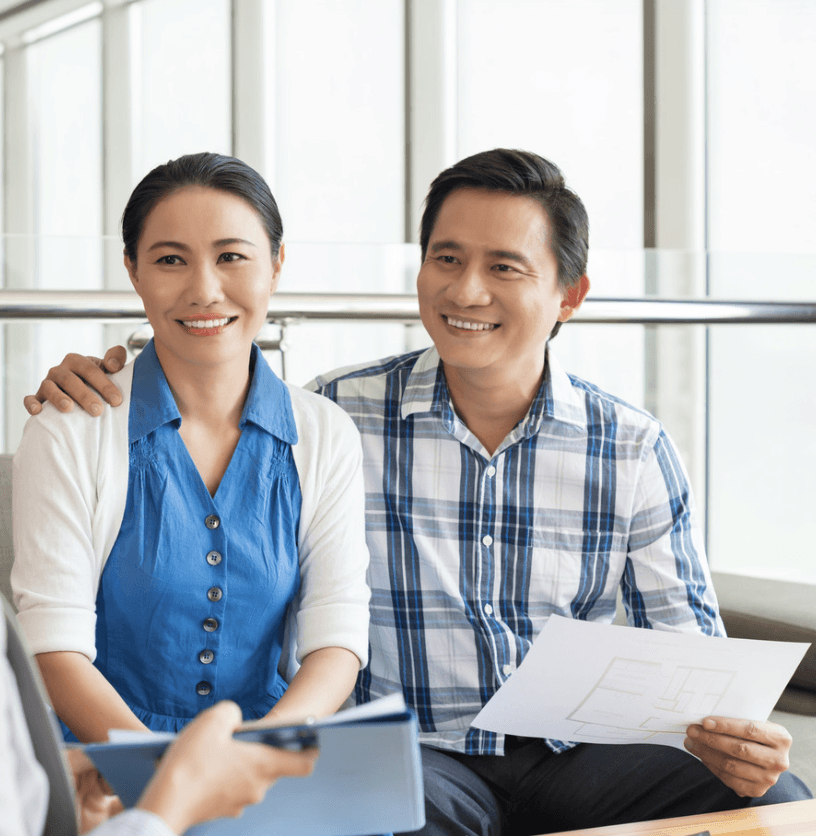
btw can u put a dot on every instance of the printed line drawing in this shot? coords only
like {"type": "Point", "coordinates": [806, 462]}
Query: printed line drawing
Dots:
{"type": "Point", "coordinates": [647, 698]}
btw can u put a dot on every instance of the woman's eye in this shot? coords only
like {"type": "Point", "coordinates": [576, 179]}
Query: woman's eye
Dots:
{"type": "Point", "coordinates": [170, 259]}
{"type": "Point", "coordinates": [230, 257]}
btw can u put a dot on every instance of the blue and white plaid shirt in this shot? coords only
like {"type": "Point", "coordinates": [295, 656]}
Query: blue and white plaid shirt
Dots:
{"type": "Point", "coordinates": [471, 553]}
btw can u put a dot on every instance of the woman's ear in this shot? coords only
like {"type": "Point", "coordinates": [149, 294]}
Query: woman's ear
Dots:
{"type": "Point", "coordinates": [572, 298]}
{"type": "Point", "coordinates": [130, 266]}
{"type": "Point", "coordinates": [276, 269]}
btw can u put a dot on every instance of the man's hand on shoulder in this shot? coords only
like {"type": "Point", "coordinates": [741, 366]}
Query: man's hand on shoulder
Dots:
{"type": "Point", "coordinates": [746, 756]}
{"type": "Point", "coordinates": [72, 379]}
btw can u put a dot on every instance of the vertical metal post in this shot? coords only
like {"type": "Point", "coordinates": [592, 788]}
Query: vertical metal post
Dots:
{"type": "Point", "coordinates": [253, 84]}
{"type": "Point", "coordinates": [679, 222]}
{"type": "Point", "coordinates": [20, 256]}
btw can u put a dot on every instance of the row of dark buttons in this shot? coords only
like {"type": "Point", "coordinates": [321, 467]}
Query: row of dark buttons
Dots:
{"type": "Point", "coordinates": [214, 594]}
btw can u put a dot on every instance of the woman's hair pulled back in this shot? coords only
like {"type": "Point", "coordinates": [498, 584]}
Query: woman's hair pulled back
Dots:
{"type": "Point", "coordinates": [212, 171]}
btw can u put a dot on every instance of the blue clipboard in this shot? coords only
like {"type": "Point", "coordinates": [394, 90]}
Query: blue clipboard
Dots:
{"type": "Point", "coordinates": [367, 780]}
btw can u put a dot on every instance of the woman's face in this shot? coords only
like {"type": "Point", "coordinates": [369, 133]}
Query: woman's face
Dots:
{"type": "Point", "coordinates": [205, 272]}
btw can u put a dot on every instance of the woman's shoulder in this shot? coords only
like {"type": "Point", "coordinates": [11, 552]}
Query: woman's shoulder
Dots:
{"type": "Point", "coordinates": [313, 410]}
{"type": "Point", "coordinates": [77, 426]}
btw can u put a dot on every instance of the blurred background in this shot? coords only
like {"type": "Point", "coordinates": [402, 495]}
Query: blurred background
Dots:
{"type": "Point", "coordinates": [685, 125]}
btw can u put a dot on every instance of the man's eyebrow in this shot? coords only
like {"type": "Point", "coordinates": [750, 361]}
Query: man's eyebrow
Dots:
{"type": "Point", "coordinates": [444, 245]}
{"type": "Point", "coordinates": [510, 255]}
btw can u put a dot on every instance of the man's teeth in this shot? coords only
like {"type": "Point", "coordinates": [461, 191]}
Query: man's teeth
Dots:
{"type": "Point", "coordinates": [205, 323]}
{"type": "Point", "coordinates": [470, 326]}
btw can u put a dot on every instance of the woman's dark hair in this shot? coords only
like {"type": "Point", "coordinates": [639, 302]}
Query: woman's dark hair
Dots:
{"type": "Point", "coordinates": [212, 171]}
{"type": "Point", "coordinates": [526, 174]}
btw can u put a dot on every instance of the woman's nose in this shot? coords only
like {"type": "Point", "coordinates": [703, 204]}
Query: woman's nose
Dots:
{"type": "Point", "coordinates": [205, 286]}
{"type": "Point", "coordinates": [469, 288]}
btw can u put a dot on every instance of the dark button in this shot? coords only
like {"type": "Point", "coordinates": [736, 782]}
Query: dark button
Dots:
{"type": "Point", "coordinates": [203, 688]}
{"type": "Point", "coordinates": [214, 594]}
{"type": "Point", "coordinates": [214, 558]}
{"type": "Point", "coordinates": [212, 521]}
{"type": "Point", "coordinates": [210, 625]}
{"type": "Point", "coordinates": [206, 656]}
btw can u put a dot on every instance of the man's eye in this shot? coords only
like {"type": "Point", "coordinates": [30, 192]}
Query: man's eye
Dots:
{"type": "Point", "coordinates": [447, 259]}
{"type": "Point", "coordinates": [170, 259]}
{"type": "Point", "coordinates": [228, 257]}
{"type": "Point", "coordinates": [504, 268]}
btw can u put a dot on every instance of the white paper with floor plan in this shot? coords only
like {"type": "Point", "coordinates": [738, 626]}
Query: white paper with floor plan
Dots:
{"type": "Point", "coordinates": [601, 683]}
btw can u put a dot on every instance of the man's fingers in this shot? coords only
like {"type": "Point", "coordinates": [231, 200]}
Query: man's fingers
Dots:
{"type": "Point", "coordinates": [114, 358]}
{"type": "Point", "coordinates": [745, 778]}
{"type": "Point", "coordinates": [766, 733]}
{"type": "Point", "coordinates": [762, 743]}
{"type": "Point", "coordinates": [50, 392]}
{"type": "Point", "coordinates": [32, 405]}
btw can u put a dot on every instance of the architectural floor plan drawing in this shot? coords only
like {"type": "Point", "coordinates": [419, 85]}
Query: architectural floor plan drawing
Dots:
{"type": "Point", "coordinates": [587, 682]}
{"type": "Point", "coordinates": [642, 698]}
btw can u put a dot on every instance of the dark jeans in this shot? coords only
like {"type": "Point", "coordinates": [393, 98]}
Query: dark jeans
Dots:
{"type": "Point", "coordinates": [530, 790]}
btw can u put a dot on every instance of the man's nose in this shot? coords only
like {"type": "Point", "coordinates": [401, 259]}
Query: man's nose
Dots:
{"type": "Point", "coordinates": [469, 288]}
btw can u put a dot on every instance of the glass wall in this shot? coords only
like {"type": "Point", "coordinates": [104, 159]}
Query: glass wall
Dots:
{"type": "Point", "coordinates": [334, 99]}
{"type": "Point", "coordinates": [761, 216]}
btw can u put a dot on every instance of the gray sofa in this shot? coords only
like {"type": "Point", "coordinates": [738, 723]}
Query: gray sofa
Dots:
{"type": "Point", "coordinates": [751, 608]}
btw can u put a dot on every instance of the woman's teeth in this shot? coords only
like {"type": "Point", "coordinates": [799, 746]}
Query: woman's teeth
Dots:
{"type": "Point", "coordinates": [205, 323]}
{"type": "Point", "coordinates": [470, 326]}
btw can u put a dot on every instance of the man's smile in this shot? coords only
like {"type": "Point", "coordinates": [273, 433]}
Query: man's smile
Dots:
{"type": "Point", "coordinates": [469, 325]}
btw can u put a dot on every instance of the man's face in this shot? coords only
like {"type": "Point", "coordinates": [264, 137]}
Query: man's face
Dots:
{"type": "Point", "coordinates": [488, 287]}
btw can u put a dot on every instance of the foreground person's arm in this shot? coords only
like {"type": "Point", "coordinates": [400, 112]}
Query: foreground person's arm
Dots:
{"type": "Point", "coordinates": [71, 381]}
{"type": "Point", "coordinates": [205, 774]}
{"type": "Point", "coordinates": [746, 756]}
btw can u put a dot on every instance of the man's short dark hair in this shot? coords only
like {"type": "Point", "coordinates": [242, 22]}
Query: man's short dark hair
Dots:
{"type": "Point", "coordinates": [528, 175]}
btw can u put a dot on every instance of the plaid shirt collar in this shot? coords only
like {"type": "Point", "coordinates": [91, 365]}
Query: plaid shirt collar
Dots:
{"type": "Point", "coordinates": [557, 399]}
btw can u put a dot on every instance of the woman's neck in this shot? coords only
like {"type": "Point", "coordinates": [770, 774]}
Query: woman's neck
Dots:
{"type": "Point", "coordinates": [207, 394]}
{"type": "Point", "coordinates": [210, 399]}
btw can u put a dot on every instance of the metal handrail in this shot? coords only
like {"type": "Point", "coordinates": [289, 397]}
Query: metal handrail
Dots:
{"type": "Point", "coordinates": [285, 308]}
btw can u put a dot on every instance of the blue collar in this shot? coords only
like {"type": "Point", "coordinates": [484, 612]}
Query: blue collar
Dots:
{"type": "Point", "coordinates": [268, 404]}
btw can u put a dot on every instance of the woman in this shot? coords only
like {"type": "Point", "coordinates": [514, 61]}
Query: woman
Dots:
{"type": "Point", "coordinates": [180, 551]}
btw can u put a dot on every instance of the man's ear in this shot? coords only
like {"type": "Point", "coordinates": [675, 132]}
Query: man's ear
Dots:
{"type": "Point", "coordinates": [130, 266]}
{"type": "Point", "coordinates": [276, 269]}
{"type": "Point", "coordinates": [572, 298]}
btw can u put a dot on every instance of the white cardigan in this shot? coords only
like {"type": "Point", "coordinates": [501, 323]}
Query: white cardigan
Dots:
{"type": "Point", "coordinates": [70, 491]}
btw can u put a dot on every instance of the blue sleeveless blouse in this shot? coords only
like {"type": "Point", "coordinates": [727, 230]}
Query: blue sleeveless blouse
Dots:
{"type": "Point", "coordinates": [193, 598]}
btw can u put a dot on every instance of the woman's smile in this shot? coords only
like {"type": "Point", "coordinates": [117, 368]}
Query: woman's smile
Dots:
{"type": "Point", "coordinates": [204, 325]}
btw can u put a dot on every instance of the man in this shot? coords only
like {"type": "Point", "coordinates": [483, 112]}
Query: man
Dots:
{"type": "Point", "coordinates": [500, 491]}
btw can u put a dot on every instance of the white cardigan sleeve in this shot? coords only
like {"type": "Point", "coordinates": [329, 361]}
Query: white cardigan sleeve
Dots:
{"type": "Point", "coordinates": [332, 605]}
{"type": "Point", "coordinates": [68, 501]}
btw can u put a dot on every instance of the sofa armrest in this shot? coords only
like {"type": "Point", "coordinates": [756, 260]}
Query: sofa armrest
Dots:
{"type": "Point", "coordinates": [757, 608]}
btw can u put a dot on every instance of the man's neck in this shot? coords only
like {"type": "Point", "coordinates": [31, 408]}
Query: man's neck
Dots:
{"type": "Point", "coordinates": [491, 404]}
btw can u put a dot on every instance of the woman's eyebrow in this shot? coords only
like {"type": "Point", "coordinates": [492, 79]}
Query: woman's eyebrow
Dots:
{"type": "Point", "coordinates": [174, 244]}
{"type": "Point", "coordinates": [222, 242]}
{"type": "Point", "coordinates": [178, 245]}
